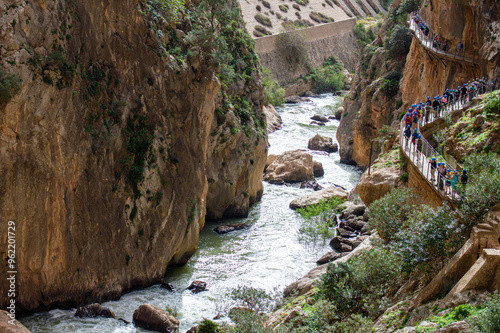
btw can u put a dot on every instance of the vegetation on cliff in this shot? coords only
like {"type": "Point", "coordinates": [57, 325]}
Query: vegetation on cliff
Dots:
{"type": "Point", "coordinates": [10, 85]}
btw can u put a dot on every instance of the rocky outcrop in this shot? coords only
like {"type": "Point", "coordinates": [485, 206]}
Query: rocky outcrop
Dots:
{"type": "Point", "coordinates": [322, 143]}
{"type": "Point", "coordinates": [292, 167]}
{"type": "Point", "coordinates": [224, 229]}
{"type": "Point", "coordinates": [10, 325]}
{"type": "Point", "coordinates": [115, 151]}
{"type": "Point", "coordinates": [315, 197]}
{"type": "Point", "coordinates": [273, 118]}
{"type": "Point", "coordinates": [94, 310]}
{"type": "Point", "coordinates": [197, 286]}
{"type": "Point", "coordinates": [384, 176]}
{"type": "Point", "coordinates": [153, 318]}
{"type": "Point", "coordinates": [329, 257]}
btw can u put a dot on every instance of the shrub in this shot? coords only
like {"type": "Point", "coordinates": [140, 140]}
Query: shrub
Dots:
{"type": "Point", "coordinates": [302, 2]}
{"type": "Point", "coordinates": [207, 326]}
{"type": "Point", "coordinates": [275, 95]}
{"type": "Point", "coordinates": [266, 4]}
{"type": "Point", "coordinates": [320, 18]}
{"type": "Point", "coordinates": [391, 213]}
{"type": "Point", "coordinates": [293, 45]}
{"type": "Point", "coordinates": [492, 106]}
{"type": "Point", "coordinates": [363, 283]}
{"type": "Point", "coordinates": [329, 77]}
{"type": "Point", "coordinates": [408, 6]}
{"type": "Point", "coordinates": [483, 189]}
{"type": "Point", "coordinates": [390, 83]}
{"type": "Point", "coordinates": [283, 8]}
{"type": "Point", "coordinates": [264, 20]}
{"type": "Point", "coordinates": [10, 86]}
{"type": "Point", "coordinates": [334, 204]}
{"type": "Point", "coordinates": [170, 10]}
{"type": "Point", "coordinates": [433, 235]}
{"type": "Point", "coordinates": [398, 41]}
{"type": "Point", "coordinates": [262, 30]}
{"type": "Point", "coordinates": [364, 36]}
{"type": "Point", "coordinates": [488, 321]}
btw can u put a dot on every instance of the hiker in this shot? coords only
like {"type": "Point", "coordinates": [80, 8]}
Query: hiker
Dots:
{"type": "Point", "coordinates": [454, 180]}
{"type": "Point", "coordinates": [460, 47]}
{"type": "Point", "coordinates": [419, 147]}
{"type": "Point", "coordinates": [463, 177]}
{"type": "Point", "coordinates": [445, 46]}
{"type": "Point", "coordinates": [447, 182]}
{"type": "Point", "coordinates": [407, 134]}
{"type": "Point", "coordinates": [433, 166]}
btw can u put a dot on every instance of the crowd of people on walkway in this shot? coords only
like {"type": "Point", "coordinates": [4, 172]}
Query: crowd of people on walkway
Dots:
{"type": "Point", "coordinates": [437, 42]}
{"type": "Point", "coordinates": [442, 175]}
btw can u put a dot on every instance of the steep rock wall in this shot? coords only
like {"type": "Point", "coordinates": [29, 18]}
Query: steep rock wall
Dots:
{"type": "Point", "coordinates": [107, 152]}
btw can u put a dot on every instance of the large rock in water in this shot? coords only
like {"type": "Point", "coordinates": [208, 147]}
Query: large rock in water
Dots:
{"type": "Point", "coordinates": [6, 325]}
{"type": "Point", "coordinates": [380, 182]}
{"type": "Point", "coordinates": [315, 197]}
{"type": "Point", "coordinates": [197, 286]}
{"type": "Point", "coordinates": [273, 118]}
{"type": "Point", "coordinates": [94, 310]}
{"type": "Point", "coordinates": [318, 170]}
{"type": "Point", "coordinates": [292, 167]}
{"type": "Point", "coordinates": [153, 318]}
{"type": "Point", "coordinates": [224, 229]}
{"type": "Point", "coordinates": [322, 143]}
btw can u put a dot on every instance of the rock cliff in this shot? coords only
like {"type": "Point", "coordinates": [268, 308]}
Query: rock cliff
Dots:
{"type": "Point", "coordinates": [123, 138]}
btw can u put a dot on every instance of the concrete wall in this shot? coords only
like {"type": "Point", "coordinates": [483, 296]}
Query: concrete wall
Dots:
{"type": "Point", "coordinates": [322, 41]}
{"type": "Point", "coordinates": [424, 188]}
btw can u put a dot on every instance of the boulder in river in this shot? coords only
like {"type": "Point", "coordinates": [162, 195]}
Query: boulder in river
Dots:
{"type": "Point", "coordinates": [197, 286]}
{"type": "Point", "coordinates": [94, 310]}
{"type": "Point", "coordinates": [341, 244]}
{"type": "Point", "coordinates": [318, 170]}
{"type": "Point", "coordinates": [292, 167]}
{"type": "Point", "coordinates": [153, 318]}
{"type": "Point", "coordinates": [224, 229]}
{"type": "Point", "coordinates": [322, 143]}
{"type": "Point", "coordinates": [315, 197]}
{"type": "Point", "coordinates": [317, 123]}
{"type": "Point", "coordinates": [167, 286]}
{"type": "Point", "coordinates": [311, 184]}
{"type": "Point", "coordinates": [339, 113]}
{"type": "Point", "coordinates": [8, 323]}
{"type": "Point", "coordinates": [294, 99]}
{"type": "Point", "coordinates": [380, 182]}
{"type": "Point", "coordinates": [329, 257]}
{"type": "Point", "coordinates": [321, 118]}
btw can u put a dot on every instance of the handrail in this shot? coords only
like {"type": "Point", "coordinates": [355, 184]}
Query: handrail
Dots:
{"type": "Point", "coordinates": [421, 159]}
{"type": "Point", "coordinates": [428, 44]}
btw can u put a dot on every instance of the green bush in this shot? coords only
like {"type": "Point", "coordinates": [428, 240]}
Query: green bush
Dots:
{"type": "Point", "coordinates": [483, 188]}
{"type": "Point", "coordinates": [275, 95]}
{"type": "Point", "coordinates": [10, 86]}
{"type": "Point", "coordinates": [329, 77]}
{"type": "Point", "coordinates": [207, 326]}
{"type": "Point", "coordinates": [363, 284]}
{"type": "Point", "coordinates": [488, 321]}
{"type": "Point", "coordinates": [432, 236]}
{"type": "Point", "coordinates": [170, 10]}
{"type": "Point", "coordinates": [398, 41]}
{"type": "Point", "coordinates": [264, 20]}
{"type": "Point", "coordinates": [390, 83]}
{"type": "Point", "coordinates": [364, 36]}
{"type": "Point", "coordinates": [392, 213]}
{"type": "Point", "coordinates": [293, 46]}
{"type": "Point", "coordinates": [492, 106]}
{"type": "Point", "coordinates": [408, 6]}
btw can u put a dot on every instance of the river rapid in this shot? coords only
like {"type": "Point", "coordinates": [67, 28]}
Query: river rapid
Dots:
{"type": "Point", "coordinates": [267, 255]}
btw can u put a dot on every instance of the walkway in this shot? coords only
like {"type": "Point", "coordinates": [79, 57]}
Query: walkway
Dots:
{"type": "Point", "coordinates": [426, 42]}
{"type": "Point", "coordinates": [421, 160]}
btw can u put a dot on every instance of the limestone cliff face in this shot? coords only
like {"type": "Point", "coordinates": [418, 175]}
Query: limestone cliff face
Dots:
{"type": "Point", "coordinates": [369, 104]}
{"type": "Point", "coordinates": [109, 151]}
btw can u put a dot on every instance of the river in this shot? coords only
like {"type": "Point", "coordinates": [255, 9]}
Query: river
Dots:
{"type": "Point", "coordinates": [268, 255]}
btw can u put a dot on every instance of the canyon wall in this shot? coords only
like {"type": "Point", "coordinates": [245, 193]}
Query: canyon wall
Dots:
{"type": "Point", "coordinates": [115, 151]}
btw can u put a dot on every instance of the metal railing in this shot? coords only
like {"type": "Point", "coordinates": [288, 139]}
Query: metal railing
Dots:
{"type": "Point", "coordinates": [428, 43]}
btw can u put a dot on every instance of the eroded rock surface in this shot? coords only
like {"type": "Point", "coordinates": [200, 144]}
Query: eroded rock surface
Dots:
{"type": "Point", "coordinates": [155, 319]}
{"type": "Point", "coordinates": [315, 197]}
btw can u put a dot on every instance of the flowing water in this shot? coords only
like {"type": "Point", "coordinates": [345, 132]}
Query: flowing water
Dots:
{"type": "Point", "coordinates": [268, 255]}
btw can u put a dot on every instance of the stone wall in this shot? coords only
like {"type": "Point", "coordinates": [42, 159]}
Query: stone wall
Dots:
{"type": "Point", "coordinates": [323, 41]}
{"type": "Point", "coordinates": [426, 190]}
